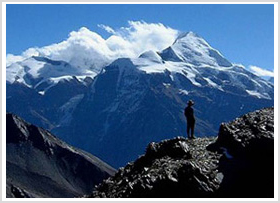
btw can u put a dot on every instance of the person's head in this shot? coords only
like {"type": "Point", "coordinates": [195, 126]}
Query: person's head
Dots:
{"type": "Point", "coordinates": [190, 103]}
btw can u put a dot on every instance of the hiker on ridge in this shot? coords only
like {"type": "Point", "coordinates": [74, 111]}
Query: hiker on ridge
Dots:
{"type": "Point", "coordinates": [189, 114]}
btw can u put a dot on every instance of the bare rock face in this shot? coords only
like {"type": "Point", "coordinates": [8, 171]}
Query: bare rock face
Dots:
{"type": "Point", "coordinates": [249, 133]}
{"type": "Point", "coordinates": [238, 163]}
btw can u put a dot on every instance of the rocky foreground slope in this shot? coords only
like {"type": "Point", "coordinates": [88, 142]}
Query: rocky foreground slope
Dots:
{"type": "Point", "coordinates": [238, 163]}
{"type": "Point", "coordinates": [40, 165]}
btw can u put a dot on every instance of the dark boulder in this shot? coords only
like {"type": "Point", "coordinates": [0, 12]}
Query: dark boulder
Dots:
{"type": "Point", "coordinates": [248, 147]}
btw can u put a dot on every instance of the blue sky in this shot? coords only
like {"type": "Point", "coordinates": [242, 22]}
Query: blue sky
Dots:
{"type": "Point", "coordinates": [243, 33]}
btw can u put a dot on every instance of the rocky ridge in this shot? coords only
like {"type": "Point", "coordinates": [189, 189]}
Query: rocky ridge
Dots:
{"type": "Point", "coordinates": [168, 169]}
{"type": "Point", "coordinates": [238, 163]}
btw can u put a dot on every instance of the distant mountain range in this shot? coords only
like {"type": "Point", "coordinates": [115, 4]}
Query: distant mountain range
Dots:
{"type": "Point", "coordinates": [40, 165]}
{"type": "Point", "coordinates": [115, 110]}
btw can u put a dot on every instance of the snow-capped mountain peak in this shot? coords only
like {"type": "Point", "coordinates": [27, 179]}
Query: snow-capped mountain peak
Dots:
{"type": "Point", "coordinates": [191, 48]}
{"type": "Point", "coordinates": [36, 69]}
{"type": "Point", "coordinates": [191, 37]}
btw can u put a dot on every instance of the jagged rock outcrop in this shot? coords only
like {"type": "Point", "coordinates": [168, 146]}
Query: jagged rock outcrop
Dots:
{"type": "Point", "coordinates": [238, 163]}
{"type": "Point", "coordinates": [248, 145]}
{"type": "Point", "coordinates": [40, 165]}
{"type": "Point", "coordinates": [171, 168]}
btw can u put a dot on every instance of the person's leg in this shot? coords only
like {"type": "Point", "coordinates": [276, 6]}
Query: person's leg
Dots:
{"type": "Point", "coordinates": [192, 129]}
{"type": "Point", "coordinates": [188, 130]}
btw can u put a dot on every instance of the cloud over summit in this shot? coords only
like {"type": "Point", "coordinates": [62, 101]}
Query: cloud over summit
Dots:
{"type": "Point", "coordinates": [86, 48]}
{"type": "Point", "coordinates": [261, 72]}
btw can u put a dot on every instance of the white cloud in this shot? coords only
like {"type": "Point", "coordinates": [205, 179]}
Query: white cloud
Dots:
{"type": "Point", "coordinates": [261, 72]}
{"type": "Point", "coordinates": [87, 49]}
{"type": "Point", "coordinates": [143, 36]}
{"type": "Point", "coordinates": [107, 28]}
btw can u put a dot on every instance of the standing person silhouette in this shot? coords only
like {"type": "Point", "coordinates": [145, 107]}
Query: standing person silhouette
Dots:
{"type": "Point", "coordinates": [189, 114]}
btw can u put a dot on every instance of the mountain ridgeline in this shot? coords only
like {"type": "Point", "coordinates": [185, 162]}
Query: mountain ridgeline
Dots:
{"type": "Point", "coordinates": [114, 111]}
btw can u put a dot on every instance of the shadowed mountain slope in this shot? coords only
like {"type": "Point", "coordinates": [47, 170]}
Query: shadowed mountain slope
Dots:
{"type": "Point", "coordinates": [40, 165]}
